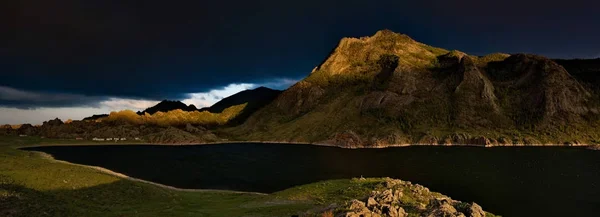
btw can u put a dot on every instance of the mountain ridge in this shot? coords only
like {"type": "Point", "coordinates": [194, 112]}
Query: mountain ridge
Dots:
{"type": "Point", "coordinates": [168, 105]}
{"type": "Point", "coordinates": [390, 89]}
{"type": "Point", "coordinates": [387, 90]}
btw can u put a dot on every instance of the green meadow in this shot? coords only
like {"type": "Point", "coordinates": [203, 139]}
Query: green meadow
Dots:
{"type": "Point", "coordinates": [34, 184]}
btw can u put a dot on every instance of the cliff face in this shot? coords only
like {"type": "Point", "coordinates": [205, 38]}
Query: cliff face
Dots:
{"type": "Point", "coordinates": [390, 89]}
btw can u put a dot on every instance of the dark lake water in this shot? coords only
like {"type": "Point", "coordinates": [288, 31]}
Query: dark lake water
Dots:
{"type": "Point", "coordinates": [510, 181]}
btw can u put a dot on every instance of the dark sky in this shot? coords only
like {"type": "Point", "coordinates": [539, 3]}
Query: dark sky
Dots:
{"type": "Point", "coordinates": [154, 50]}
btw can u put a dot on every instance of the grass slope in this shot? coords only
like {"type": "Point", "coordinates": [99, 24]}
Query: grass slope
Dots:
{"type": "Point", "coordinates": [32, 184]}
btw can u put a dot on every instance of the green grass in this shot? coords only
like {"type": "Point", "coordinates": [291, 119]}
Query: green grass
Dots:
{"type": "Point", "coordinates": [332, 191]}
{"type": "Point", "coordinates": [33, 184]}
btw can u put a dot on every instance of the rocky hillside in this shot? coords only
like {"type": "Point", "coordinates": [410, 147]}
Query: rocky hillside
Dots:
{"type": "Point", "coordinates": [389, 89]}
{"type": "Point", "coordinates": [402, 199]}
{"type": "Point", "coordinates": [87, 130]}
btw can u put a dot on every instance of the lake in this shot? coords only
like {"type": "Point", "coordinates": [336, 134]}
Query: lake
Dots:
{"type": "Point", "coordinates": [509, 181]}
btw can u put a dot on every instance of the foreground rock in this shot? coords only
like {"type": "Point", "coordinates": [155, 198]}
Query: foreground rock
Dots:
{"type": "Point", "coordinates": [401, 199]}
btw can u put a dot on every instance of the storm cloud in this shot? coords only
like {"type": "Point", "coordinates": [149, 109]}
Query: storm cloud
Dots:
{"type": "Point", "coordinates": [73, 53]}
{"type": "Point", "coordinates": [11, 97]}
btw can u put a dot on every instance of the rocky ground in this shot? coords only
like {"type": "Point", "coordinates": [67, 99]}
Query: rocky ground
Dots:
{"type": "Point", "coordinates": [399, 198]}
{"type": "Point", "coordinates": [87, 130]}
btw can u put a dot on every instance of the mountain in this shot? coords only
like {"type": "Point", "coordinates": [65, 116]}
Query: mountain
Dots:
{"type": "Point", "coordinates": [95, 117]}
{"type": "Point", "coordinates": [389, 89]}
{"type": "Point", "coordinates": [585, 70]}
{"type": "Point", "coordinates": [166, 105]}
{"type": "Point", "coordinates": [254, 100]}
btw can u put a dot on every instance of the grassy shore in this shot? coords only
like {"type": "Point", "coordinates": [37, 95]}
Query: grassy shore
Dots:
{"type": "Point", "coordinates": [34, 184]}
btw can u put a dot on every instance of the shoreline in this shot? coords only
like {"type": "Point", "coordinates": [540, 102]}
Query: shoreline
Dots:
{"type": "Point", "coordinates": [126, 177]}
{"type": "Point", "coordinates": [168, 187]}
{"type": "Point", "coordinates": [589, 146]}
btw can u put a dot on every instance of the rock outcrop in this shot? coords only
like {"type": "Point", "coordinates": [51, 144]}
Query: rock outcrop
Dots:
{"type": "Point", "coordinates": [399, 196]}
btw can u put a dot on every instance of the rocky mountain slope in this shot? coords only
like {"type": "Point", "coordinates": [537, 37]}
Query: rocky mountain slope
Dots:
{"type": "Point", "coordinates": [389, 89]}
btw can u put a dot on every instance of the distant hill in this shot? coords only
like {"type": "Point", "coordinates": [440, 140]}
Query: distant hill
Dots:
{"type": "Point", "coordinates": [389, 89]}
{"type": "Point", "coordinates": [240, 106]}
{"type": "Point", "coordinates": [255, 99]}
{"type": "Point", "coordinates": [167, 105]}
{"type": "Point", "coordinates": [95, 117]}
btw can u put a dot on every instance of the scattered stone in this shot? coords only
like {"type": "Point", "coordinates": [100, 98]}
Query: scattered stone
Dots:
{"type": "Point", "coordinates": [386, 197]}
{"type": "Point", "coordinates": [397, 195]}
{"type": "Point", "coordinates": [389, 183]}
{"type": "Point", "coordinates": [357, 205]}
{"type": "Point", "coordinates": [442, 207]}
{"type": "Point", "coordinates": [401, 212]}
{"type": "Point", "coordinates": [371, 202]}
{"type": "Point", "coordinates": [475, 211]}
{"type": "Point", "coordinates": [387, 202]}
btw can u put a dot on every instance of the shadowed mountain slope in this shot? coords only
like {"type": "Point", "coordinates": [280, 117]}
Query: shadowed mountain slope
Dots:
{"type": "Point", "coordinates": [254, 100]}
{"type": "Point", "coordinates": [166, 106]}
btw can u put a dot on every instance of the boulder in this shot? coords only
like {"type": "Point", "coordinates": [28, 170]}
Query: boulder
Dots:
{"type": "Point", "coordinates": [397, 195]}
{"type": "Point", "coordinates": [386, 197]}
{"type": "Point", "coordinates": [371, 202]}
{"type": "Point", "coordinates": [401, 212]}
{"type": "Point", "coordinates": [390, 183]}
{"type": "Point", "coordinates": [474, 210]}
{"type": "Point", "coordinates": [357, 205]}
{"type": "Point", "coordinates": [442, 207]}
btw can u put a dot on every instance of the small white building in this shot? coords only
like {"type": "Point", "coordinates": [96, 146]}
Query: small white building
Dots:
{"type": "Point", "coordinates": [116, 139]}
{"type": "Point", "coordinates": [22, 135]}
{"type": "Point", "coordinates": [97, 139]}
{"type": "Point", "coordinates": [108, 139]}
{"type": "Point", "coordinates": [137, 138]}
{"type": "Point", "coordinates": [123, 139]}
